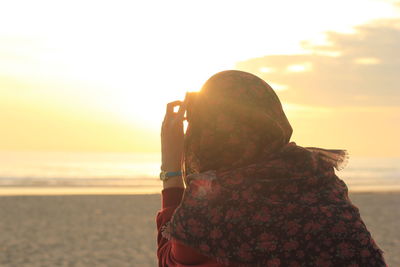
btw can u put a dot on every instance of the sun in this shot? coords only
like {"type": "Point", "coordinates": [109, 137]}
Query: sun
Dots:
{"type": "Point", "coordinates": [143, 101]}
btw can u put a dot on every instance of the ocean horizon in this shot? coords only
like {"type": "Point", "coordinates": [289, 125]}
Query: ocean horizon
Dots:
{"type": "Point", "coordinates": [83, 172]}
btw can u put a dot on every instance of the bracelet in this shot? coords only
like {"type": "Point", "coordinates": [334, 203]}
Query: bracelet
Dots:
{"type": "Point", "coordinates": [164, 176]}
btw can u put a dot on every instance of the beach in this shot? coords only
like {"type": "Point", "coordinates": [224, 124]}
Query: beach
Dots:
{"type": "Point", "coordinates": [119, 230]}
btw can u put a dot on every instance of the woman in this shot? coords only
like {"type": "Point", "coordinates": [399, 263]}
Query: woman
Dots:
{"type": "Point", "coordinates": [252, 198]}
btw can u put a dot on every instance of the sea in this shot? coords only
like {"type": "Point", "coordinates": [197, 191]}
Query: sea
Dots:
{"type": "Point", "coordinates": [44, 173]}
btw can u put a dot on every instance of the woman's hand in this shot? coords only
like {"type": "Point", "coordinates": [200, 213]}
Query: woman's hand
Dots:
{"type": "Point", "coordinates": [172, 137]}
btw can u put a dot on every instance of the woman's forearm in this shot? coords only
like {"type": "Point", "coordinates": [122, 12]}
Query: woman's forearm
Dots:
{"type": "Point", "coordinates": [172, 136]}
{"type": "Point", "coordinates": [175, 181]}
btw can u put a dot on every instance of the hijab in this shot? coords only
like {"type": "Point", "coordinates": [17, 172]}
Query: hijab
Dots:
{"type": "Point", "coordinates": [237, 119]}
{"type": "Point", "coordinates": [253, 197]}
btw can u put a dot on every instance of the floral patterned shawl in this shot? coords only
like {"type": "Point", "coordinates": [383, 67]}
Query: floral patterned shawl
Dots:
{"type": "Point", "coordinates": [253, 198]}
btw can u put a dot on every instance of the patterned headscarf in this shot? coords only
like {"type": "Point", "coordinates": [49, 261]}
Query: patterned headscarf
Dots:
{"type": "Point", "coordinates": [253, 198]}
{"type": "Point", "coordinates": [237, 119]}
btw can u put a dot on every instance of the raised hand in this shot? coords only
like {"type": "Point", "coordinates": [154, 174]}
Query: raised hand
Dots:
{"type": "Point", "coordinates": [172, 136]}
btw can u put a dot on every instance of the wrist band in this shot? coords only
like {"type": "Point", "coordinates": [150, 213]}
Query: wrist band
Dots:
{"type": "Point", "coordinates": [166, 175]}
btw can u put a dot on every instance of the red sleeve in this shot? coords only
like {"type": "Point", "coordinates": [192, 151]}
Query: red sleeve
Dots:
{"type": "Point", "coordinates": [172, 253]}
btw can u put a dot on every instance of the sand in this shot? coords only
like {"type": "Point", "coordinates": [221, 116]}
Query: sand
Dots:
{"type": "Point", "coordinates": [119, 230]}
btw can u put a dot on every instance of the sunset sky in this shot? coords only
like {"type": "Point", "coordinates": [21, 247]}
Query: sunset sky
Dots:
{"type": "Point", "coordinates": [96, 75]}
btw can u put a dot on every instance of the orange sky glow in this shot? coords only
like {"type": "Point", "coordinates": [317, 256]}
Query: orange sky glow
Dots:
{"type": "Point", "coordinates": [95, 76]}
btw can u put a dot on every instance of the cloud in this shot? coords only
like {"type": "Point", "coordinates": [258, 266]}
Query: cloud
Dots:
{"type": "Point", "coordinates": [358, 69]}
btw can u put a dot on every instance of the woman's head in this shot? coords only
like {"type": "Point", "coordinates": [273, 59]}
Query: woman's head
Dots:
{"type": "Point", "coordinates": [235, 120]}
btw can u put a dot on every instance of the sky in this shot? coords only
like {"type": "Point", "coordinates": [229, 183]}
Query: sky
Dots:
{"type": "Point", "coordinates": [96, 75]}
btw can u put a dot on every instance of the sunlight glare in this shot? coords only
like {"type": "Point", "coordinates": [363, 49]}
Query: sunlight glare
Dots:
{"type": "Point", "coordinates": [279, 87]}
{"type": "Point", "coordinates": [307, 66]}
{"type": "Point", "coordinates": [367, 61]}
{"type": "Point", "coordinates": [302, 111]}
{"type": "Point", "coordinates": [266, 69]}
